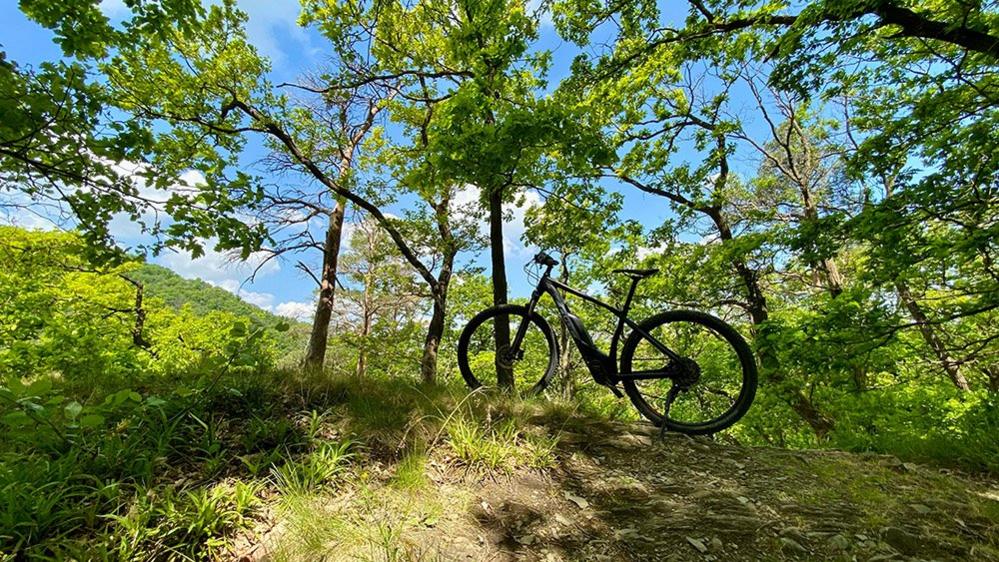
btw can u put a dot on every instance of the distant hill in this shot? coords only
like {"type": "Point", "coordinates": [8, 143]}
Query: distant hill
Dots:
{"type": "Point", "coordinates": [177, 291]}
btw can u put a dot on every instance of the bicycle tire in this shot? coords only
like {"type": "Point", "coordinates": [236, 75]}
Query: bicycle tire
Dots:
{"type": "Point", "coordinates": [746, 360]}
{"type": "Point", "coordinates": [510, 310]}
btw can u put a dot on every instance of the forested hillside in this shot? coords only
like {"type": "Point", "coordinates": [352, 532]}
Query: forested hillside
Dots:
{"type": "Point", "coordinates": [203, 298]}
{"type": "Point", "coordinates": [798, 202]}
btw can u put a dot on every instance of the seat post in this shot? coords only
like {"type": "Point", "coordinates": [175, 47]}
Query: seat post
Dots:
{"type": "Point", "coordinates": [621, 321]}
{"type": "Point", "coordinates": [631, 293]}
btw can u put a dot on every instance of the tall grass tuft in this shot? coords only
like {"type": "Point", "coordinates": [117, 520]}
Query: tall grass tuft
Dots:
{"type": "Point", "coordinates": [313, 472]}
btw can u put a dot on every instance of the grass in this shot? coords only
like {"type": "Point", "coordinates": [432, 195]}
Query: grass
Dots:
{"type": "Point", "coordinates": [411, 471]}
{"type": "Point", "coordinates": [185, 475]}
{"type": "Point", "coordinates": [352, 468]}
{"type": "Point", "coordinates": [502, 445]}
{"type": "Point", "coordinates": [315, 471]}
{"type": "Point", "coordinates": [195, 524]}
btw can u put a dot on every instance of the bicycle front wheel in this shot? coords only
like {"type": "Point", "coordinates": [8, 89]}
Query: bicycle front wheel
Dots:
{"type": "Point", "coordinates": [712, 385]}
{"type": "Point", "coordinates": [481, 361]}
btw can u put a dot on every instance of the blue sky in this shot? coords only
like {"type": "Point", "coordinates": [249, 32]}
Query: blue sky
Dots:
{"type": "Point", "coordinates": [273, 30]}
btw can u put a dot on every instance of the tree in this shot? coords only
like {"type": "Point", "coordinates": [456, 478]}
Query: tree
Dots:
{"type": "Point", "coordinates": [482, 127]}
{"type": "Point", "coordinates": [58, 302]}
{"type": "Point", "coordinates": [71, 150]}
{"type": "Point", "coordinates": [380, 288]}
{"type": "Point", "coordinates": [669, 91]}
{"type": "Point", "coordinates": [209, 85]}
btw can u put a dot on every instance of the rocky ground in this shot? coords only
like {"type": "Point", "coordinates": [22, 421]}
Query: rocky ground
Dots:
{"type": "Point", "coordinates": [618, 492]}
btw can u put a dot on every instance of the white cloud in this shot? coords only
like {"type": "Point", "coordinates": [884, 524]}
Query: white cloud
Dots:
{"type": "Point", "coordinates": [270, 23]}
{"type": "Point", "coordinates": [302, 311]}
{"type": "Point", "coordinates": [514, 228]}
{"type": "Point", "coordinates": [218, 267]}
{"type": "Point", "coordinates": [262, 300]}
{"type": "Point", "coordinates": [296, 310]}
{"type": "Point", "coordinates": [113, 8]}
{"type": "Point", "coordinates": [18, 210]}
{"type": "Point", "coordinates": [645, 251]}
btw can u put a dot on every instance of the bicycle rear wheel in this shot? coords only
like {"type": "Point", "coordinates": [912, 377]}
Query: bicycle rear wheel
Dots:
{"type": "Point", "coordinates": [708, 390]}
{"type": "Point", "coordinates": [480, 361]}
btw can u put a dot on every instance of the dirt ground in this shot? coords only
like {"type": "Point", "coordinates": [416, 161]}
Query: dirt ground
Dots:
{"type": "Point", "coordinates": [618, 492]}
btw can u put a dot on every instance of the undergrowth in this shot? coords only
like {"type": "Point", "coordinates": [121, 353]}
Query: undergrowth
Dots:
{"type": "Point", "coordinates": [350, 466]}
{"type": "Point", "coordinates": [188, 474]}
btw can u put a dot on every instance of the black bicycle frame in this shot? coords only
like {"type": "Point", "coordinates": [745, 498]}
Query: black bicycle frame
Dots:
{"type": "Point", "coordinates": [610, 361]}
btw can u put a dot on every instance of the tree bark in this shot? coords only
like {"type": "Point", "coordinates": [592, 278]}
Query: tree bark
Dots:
{"type": "Point", "coordinates": [138, 327]}
{"type": "Point", "coordinates": [362, 353]}
{"type": "Point", "coordinates": [830, 271]}
{"type": "Point", "coordinates": [912, 24]}
{"type": "Point", "coordinates": [565, 351]}
{"type": "Point", "coordinates": [991, 373]}
{"type": "Point", "coordinates": [315, 356]}
{"type": "Point", "coordinates": [931, 337]}
{"type": "Point", "coordinates": [435, 332]}
{"type": "Point", "coordinates": [504, 375]}
{"type": "Point", "coordinates": [756, 301]}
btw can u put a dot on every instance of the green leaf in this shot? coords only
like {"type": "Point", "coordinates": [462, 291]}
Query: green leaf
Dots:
{"type": "Point", "coordinates": [40, 386]}
{"type": "Point", "coordinates": [16, 419]}
{"type": "Point", "coordinates": [73, 409]}
{"type": "Point", "coordinates": [92, 420]}
{"type": "Point", "coordinates": [15, 386]}
{"type": "Point", "coordinates": [238, 330]}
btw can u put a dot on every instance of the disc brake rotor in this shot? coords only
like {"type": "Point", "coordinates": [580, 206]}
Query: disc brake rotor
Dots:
{"type": "Point", "coordinates": [505, 357]}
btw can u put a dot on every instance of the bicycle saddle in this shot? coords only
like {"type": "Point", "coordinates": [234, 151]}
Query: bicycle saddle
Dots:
{"type": "Point", "coordinates": [637, 273]}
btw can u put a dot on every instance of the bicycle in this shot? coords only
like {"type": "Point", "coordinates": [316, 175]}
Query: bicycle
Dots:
{"type": "Point", "coordinates": [706, 371]}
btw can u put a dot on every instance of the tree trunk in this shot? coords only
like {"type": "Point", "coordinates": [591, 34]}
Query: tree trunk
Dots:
{"type": "Point", "coordinates": [834, 279]}
{"type": "Point", "coordinates": [362, 353]}
{"type": "Point", "coordinates": [504, 375]}
{"type": "Point", "coordinates": [435, 331]}
{"type": "Point", "coordinates": [315, 355]}
{"type": "Point", "coordinates": [770, 365]}
{"type": "Point", "coordinates": [565, 349]}
{"type": "Point", "coordinates": [931, 338]}
{"type": "Point", "coordinates": [991, 373]}
{"type": "Point", "coordinates": [827, 266]}
{"type": "Point", "coordinates": [366, 312]}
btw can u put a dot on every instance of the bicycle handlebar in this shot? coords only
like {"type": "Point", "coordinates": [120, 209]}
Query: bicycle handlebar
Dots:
{"type": "Point", "coordinates": [544, 259]}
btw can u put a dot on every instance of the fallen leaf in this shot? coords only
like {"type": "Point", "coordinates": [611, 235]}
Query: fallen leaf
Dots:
{"type": "Point", "coordinates": [697, 544]}
{"type": "Point", "coordinates": [526, 540]}
{"type": "Point", "coordinates": [580, 502]}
